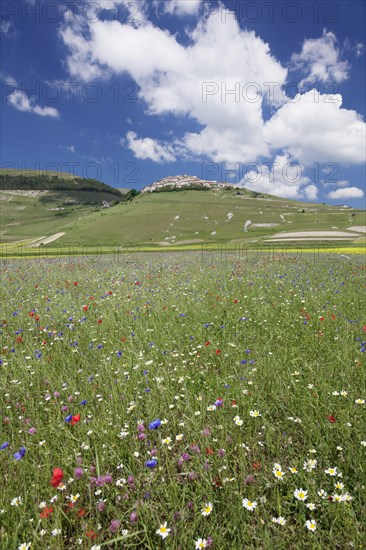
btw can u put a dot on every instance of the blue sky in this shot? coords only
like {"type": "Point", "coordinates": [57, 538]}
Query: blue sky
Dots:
{"type": "Point", "coordinates": [269, 95]}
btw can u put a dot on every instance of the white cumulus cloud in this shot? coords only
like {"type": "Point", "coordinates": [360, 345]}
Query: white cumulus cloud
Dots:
{"type": "Point", "coordinates": [320, 60]}
{"type": "Point", "coordinates": [206, 80]}
{"type": "Point", "coordinates": [20, 101]}
{"type": "Point", "coordinates": [181, 7]}
{"type": "Point", "coordinates": [346, 193]}
{"type": "Point", "coordinates": [314, 129]}
{"type": "Point", "coordinates": [148, 148]}
{"type": "Point", "coordinates": [283, 178]}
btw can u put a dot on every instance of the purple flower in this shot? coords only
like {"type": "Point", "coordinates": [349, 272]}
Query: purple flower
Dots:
{"type": "Point", "coordinates": [249, 479]}
{"type": "Point", "coordinates": [100, 506]}
{"type": "Point", "coordinates": [4, 446]}
{"type": "Point", "coordinates": [20, 454]}
{"type": "Point", "coordinates": [32, 431]}
{"type": "Point", "coordinates": [133, 517]}
{"type": "Point", "coordinates": [78, 472]}
{"type": "Point", "coordinates": [108, 478]}
{"type": "Point", "coordinates": [114, 526]}
{"type": "Point", "coordinates": [186, 457]}
{"type": "Point", "coordinates": [151, 463]}
{"type": "Point", "coordinates": [154, 425]}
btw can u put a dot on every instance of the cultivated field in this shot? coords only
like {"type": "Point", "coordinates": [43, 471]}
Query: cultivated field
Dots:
{"type": "Point", "coordinates": [183, 401]}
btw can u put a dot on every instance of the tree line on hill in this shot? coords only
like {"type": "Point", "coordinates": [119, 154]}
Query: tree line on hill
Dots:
{"type": "Point", "coordinates": [44, 182]}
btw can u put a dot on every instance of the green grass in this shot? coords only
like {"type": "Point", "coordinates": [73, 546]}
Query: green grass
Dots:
{"type": "Point", "coordinates": [151, 218]}
{"type": "Point", "coordinates": [272, 333]}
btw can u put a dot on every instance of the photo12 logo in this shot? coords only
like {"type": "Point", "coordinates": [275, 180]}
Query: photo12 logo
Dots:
{"type": "Point", "coordinates": [69, 91]}
{"type": "Point", "coordinates": [269, 11]}
{"type": "Point", "coordinates": [125, 173]}
{"type": "Point", "coordinates": [273, 92]}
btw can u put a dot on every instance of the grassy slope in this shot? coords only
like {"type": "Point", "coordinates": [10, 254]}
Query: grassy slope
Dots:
{"type": "Point", "coordinates": [149, 219]}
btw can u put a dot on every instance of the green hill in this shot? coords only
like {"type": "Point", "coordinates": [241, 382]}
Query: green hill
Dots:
{"type": "Point", "coordinates": [29, 180]}
{"type": "Point", "coordinates": [168, 220]}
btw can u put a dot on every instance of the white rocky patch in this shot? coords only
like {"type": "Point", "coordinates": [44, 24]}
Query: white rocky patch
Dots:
{"type": "Point", "coordinates": [246, 225]}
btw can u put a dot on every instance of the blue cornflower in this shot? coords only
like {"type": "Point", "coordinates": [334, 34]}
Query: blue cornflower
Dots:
{"type": "Point", "coordinates": [68, 418]}
{"type": "Point", "coordinates": [20, 454]}
{"type": "Point", "coordinates": [4, 446]}
{"type": "Point", "coordinates": [151, 463]}
{"type": "Point", "coordinates": [83, 402]}
{"type": "Point", "coordinates": [154, 425]}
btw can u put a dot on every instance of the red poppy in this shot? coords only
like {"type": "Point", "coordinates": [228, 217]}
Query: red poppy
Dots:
{"type": "Point", "coordinates": [57, 476]}
{"type": "Point", "coordinates": [218, 351]}
{"type": "Point", "coordinates": [37, 318]}
{"type": "Point", "coordinates": [31, 314]}
{"type": "Point", "coordinates": [75, 283]}
{"type": "Point", "coordinates": [91, 534]}
{"type": "Point", "coordinates": [209, 451]}
{"type": "Point", "coordinates": [333, 316]}
{"type": "Point", "coordinates": [110, 293]}
{"type": "Point", "coordinates": [331, 419]}
{"type": "Point", "coordinates": [236, 301]}
{"type": "Point", "coordinates": [233, 403]}
{"type": "Point", "coordinates": [99, 321]}
{"type": "Point", "coordinates": [207, 343]}
{"type": "Point", "coordinates": [137, 283]}
{"type": "Point", "coordinates": [85, 308]}
{"type": "Point", "coordinates": [19, 339]}
{"type": "Point", "coordinates": [81, 513]}
{"type": "Point", "coordinates": [364, 328]}
{"type": "Point", "coordinates": [75, 419]}
{"type": "Point", "coordinates": [256, 465]}
{"type": "Point", "coordinates": [123, 339]}
{"type": "Point", "coordinates": [46, 512]}
{"type": "Point", "coordinates": [321, 318]}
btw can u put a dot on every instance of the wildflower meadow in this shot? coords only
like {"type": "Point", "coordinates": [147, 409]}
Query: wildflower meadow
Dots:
{"type": "Point", "coordinates": [176, 401]}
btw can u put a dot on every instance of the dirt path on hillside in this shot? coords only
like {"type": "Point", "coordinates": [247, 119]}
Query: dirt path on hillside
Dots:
{"type": "Point", "coordinates": [47, 240]}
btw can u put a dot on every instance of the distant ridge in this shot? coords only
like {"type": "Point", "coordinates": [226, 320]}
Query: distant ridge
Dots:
{"type": "Point", "coordinates": [29, 180]}
{"type": "Point", "coordinates": [185, 181]}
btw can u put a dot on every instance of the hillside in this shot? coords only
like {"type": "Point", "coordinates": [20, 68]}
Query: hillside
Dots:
{"type": "Point", "coordinates": [28, 180]}
{"type": "Point", "coordinates": [187, 218]}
